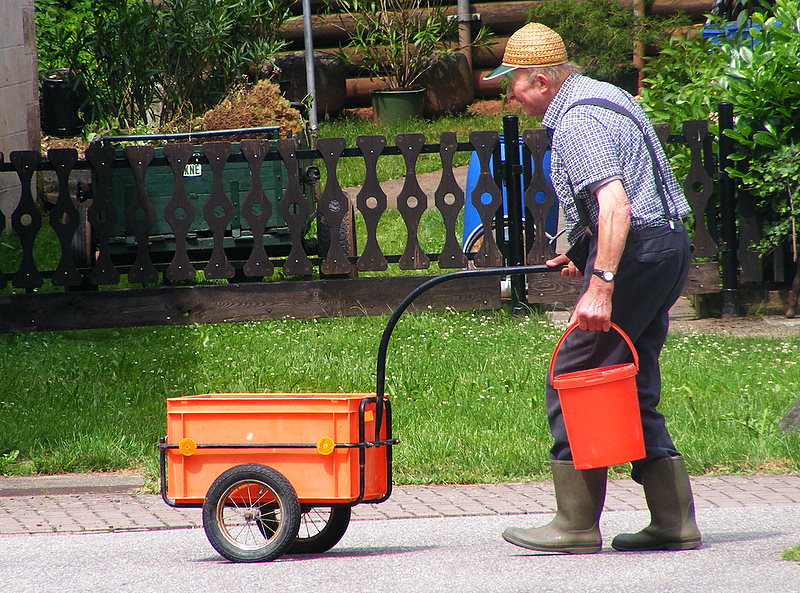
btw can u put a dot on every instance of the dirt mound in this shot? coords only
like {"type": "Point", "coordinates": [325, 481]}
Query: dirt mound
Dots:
{"type": "Point", "coordinates": [252, 106]}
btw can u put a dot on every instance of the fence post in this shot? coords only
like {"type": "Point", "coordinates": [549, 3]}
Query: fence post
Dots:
{"type": "Point", "coordinates": [727, 191]}
{"type": "Point", "coordinates": [512, 171]}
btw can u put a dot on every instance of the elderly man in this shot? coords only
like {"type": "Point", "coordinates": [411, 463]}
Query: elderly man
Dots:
{"type": "Point", "coordinates": [623, 208]}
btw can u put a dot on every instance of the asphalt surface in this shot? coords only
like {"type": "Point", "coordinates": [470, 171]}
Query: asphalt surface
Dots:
{"type": "Point", "coordinates": [99, 532]}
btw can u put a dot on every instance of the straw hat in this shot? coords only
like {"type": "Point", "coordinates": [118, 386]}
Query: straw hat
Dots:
{"type": "Point", "coordinates": [531, 46]}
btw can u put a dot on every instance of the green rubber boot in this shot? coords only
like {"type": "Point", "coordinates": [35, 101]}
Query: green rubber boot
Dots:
{"type": "Point", "coordinates": [669, 498]}
{"type": "Point", "coordinates": [580, 495]}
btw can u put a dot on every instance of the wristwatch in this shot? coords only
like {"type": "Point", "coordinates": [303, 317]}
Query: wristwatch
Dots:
{"type": "Point", "coordinates": [604, 275]}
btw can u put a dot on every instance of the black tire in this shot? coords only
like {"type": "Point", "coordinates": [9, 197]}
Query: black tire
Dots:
{"type": "Point", "coordinates": [251, 514]}
{"type": "Point", "coordinates": [321, 528]}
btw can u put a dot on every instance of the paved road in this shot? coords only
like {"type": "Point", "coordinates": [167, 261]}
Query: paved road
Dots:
{"type": "Point", "coordinates": [57, 536]}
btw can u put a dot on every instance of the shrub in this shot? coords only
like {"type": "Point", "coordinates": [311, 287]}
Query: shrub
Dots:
{"type": "Point", "coordinates": [763, 83]}
{"type": "Point", "coordinates": [759, 74]}
{"type": "Point", "coordinates": [139, 60]}
{"type": "Point", "coordinates": [599, 35]}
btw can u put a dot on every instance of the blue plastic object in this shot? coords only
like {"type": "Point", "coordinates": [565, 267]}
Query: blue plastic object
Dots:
{"type": "Point", "coordinates": [728, 30]}
{"type": "Point", "coordinates": [473, 229]}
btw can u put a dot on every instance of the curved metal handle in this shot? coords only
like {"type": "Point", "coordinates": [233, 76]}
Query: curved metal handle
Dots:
{"type": "Point", "coordinates": [380, 388]}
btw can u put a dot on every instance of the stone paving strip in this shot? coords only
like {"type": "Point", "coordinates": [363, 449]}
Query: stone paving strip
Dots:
{"type": "Point", "coordinates": [64, 506]}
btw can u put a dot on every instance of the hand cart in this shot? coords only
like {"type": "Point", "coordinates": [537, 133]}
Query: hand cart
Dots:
{"type": "Point", "coordinates": [278, 473]}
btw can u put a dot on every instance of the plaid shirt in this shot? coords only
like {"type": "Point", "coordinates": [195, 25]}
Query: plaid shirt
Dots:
{"type": "Point", "coordinates": [592, 145]}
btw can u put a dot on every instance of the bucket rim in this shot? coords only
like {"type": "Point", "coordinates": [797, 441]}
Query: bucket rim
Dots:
{"type": "Point", "coordinates": [572, 327]}
{"type": "Point", "coordinates": [594, 377]}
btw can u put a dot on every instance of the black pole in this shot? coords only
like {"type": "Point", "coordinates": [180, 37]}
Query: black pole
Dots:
{"type": "Point", "coordinates": [727, 190]}
{"type": "Point", "coordinates": [511, 179]}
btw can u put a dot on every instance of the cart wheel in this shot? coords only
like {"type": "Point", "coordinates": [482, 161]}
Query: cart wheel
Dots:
{"type": "Point", "coordinates": [251, 513]}
{"type": "Point", "coordinates": [321, 528]}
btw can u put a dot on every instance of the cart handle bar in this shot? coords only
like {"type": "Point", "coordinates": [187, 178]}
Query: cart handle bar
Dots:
{"type": "Point", "coordinates": [380, 388]}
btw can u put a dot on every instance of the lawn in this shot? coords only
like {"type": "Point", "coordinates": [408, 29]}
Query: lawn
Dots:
{"type": "Point", "coordinates": [466, 391]}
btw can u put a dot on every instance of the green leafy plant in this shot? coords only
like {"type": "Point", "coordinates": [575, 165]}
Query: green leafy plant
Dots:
{"type": "Point", "coordinates": [141, 61]}
{"type": "Point", "coordinates": [397, 40]}
{"type": "Point", "coordinates": [763, 83]}
{"type": "Point", "coordinates": [211, 44]}
{"type": "Point", "coordinates": [681, 83]}
{"type": "Point", "coordinates": [599, 35]}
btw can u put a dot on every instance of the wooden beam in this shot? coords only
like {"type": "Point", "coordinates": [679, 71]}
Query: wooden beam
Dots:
{"type": "Point", "coordinates": [275, 300]}
{"type": "Point", "coordinates": [236, 302]}
{"type": "Point", "coordinates": [550, 288]}
{"type": "Point", "coordinates": [703, 279]}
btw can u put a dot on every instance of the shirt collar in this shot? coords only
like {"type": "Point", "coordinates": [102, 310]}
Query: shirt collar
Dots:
{"type": "Point", "coordinates": [560, 101]}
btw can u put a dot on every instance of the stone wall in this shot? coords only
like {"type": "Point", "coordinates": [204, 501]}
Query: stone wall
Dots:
{"type": "Point", "coordinates": [19, 91]}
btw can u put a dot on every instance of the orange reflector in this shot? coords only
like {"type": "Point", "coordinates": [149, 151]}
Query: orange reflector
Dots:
{"type": "Point", "coordinates": [325, 446]}
{"type": "Point", "coordinates": [187, 446]}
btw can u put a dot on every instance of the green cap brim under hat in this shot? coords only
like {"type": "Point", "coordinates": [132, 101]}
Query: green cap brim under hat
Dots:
{"type": "Point", "coordinates": [501, 70]}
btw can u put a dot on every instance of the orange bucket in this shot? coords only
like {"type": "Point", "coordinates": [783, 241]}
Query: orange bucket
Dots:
{"type": "Point", "coordinates": [601, 410]}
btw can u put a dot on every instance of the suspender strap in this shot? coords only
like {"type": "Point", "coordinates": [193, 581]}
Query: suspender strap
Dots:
{"type": "Point", "coordinates": [661, 187]}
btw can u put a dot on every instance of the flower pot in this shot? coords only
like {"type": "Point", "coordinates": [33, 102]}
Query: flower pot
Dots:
{"type": "Point", "coordinates": [60, 101]}
{"type": "Point", "coordinates": [397, 105]}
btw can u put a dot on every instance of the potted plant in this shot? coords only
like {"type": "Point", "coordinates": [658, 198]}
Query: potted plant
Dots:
{"type": "Point", "coordinates": [398, 42]}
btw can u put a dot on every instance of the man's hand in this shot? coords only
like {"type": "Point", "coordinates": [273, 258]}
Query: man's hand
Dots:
{"type": "Point", "coordinates": [569, 271]}
{"type": "Point", "coordinates": [593, 311]}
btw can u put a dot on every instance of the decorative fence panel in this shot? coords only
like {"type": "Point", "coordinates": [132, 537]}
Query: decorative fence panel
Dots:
{"type": "Point", "coordinates": [329, 279]}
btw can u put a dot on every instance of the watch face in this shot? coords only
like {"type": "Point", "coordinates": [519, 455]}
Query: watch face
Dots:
{"type": "Point", "coordinates": [608, 276]}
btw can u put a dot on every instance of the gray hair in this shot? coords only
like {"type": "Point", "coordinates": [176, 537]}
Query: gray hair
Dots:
{"type": "Point", "coordinates": [558, 73]}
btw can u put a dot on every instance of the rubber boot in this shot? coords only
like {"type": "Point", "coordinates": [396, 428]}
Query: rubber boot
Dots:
{"type": "Point", "coordinates": [580, 495]}
{"type": "Point", "coordinates": [669, 498]}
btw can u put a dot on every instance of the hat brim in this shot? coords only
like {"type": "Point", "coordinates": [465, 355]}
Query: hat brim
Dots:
{"type": "Point", "coordinates": [502, 70]}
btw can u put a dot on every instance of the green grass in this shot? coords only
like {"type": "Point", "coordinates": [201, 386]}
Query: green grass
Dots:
{"type": "Point", "coordinates": [792, 554]}
{"type": "Point", "coordinates": [466, 390]}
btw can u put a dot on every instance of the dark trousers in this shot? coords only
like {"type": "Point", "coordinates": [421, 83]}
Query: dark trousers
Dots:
{"type": "Point", "coordinates": [649, 280]}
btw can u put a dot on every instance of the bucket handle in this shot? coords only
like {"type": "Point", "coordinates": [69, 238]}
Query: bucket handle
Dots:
{"type": "Point", "coordinates": [572, 327]}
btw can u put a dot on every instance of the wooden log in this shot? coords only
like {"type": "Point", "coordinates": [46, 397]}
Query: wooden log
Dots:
{"type": "Point", "coordinates": [358, 90]}
{"type": "Point", "coordinates": [489, 57]}
{"type": "Point", "coordinates": [186, 305]}
{"type": "Point", "coordinates": [501, 17]}
{"type": "Point", "coordinates": [693, 8]}
{"type": "Point", "coordinates": [498, 16]}
{"type": "Point", "coordinates": [486, 88]}
{"type": "Point", "coordinates": [703, 279]}
{"type": "Point", "coordinates": [546, 287]}
{"type": "Point", "coordinates": [275, 300]}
